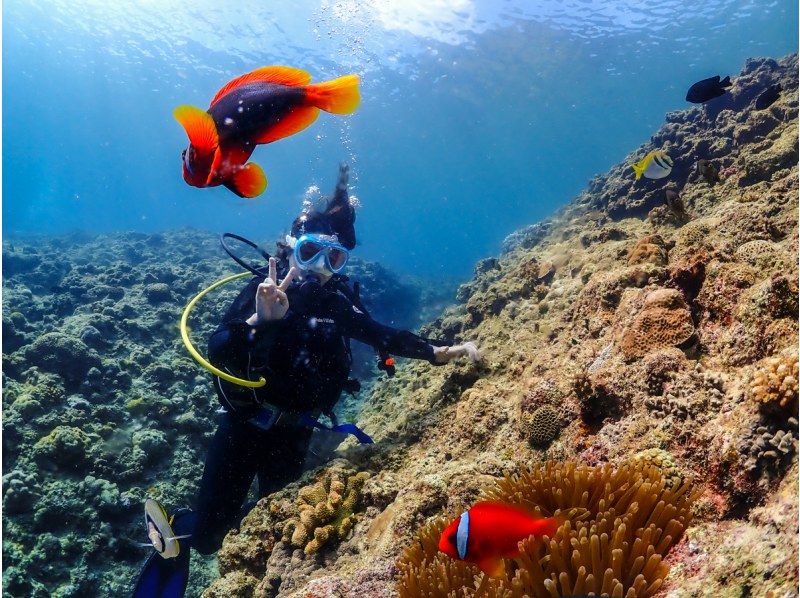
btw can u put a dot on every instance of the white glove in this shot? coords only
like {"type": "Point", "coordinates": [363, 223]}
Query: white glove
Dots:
{"type": "Point", "coordinates": [447, 354]}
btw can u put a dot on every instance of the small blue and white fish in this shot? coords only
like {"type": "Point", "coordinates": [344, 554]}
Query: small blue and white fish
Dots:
{"type": "Point", "coordinates": [655, 165]}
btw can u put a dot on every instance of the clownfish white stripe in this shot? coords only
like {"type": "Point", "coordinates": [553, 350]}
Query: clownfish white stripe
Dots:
{"type": "Point", "coordinates": [463, 535]}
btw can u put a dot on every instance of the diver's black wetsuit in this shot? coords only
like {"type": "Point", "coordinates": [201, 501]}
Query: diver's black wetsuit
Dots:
{"type": "Point", "coordinates": [305, 358]}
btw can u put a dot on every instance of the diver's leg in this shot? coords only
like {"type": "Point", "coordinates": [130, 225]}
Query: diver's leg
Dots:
{"type": "Point", "coordinates": [231, 465]}
{"type": "Point", "coordinates": [282, 457]}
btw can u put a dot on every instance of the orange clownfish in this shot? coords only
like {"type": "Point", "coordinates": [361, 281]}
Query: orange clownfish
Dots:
{"type": "Point", "coordinates": [260, 107]}
{"type": "Point", "coordinates": [491, 531]}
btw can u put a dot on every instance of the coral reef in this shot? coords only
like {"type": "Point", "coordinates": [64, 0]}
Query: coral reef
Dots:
{"type": "Point", "coordinates": [662, 331]}
{"type": "Point", "coordinates": [642, 320]}
{"type": "Point", "coordinates": [102, 406]}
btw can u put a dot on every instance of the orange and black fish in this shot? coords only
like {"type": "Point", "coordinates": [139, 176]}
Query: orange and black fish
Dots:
{"type": "Point", "coordinates": [268, 104]}
{"type": "Point", "coordinates": [491, 531]}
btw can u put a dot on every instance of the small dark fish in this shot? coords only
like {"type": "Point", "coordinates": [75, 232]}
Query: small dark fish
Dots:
{"type": "Point", "coordinates": [675, 203]}
{"type": "Point", "coordinates": [768, 96]}
{"type": "Point", "coordinates": [707, 89]}
{"type": "Point", "coordinates": [709, 172]}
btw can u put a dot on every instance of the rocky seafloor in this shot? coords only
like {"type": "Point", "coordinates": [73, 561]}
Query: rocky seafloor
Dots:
{"type": "Point", "coordinates": [102, 404]}
{"type": "Point", "coordinates": [634, 326]}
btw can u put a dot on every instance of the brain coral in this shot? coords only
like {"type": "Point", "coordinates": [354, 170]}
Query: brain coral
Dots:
{"type": "Point", "coordinates": [542, 425]}
{"type": "Point", "coordinates": [621, 523]}
{"type": "Point", "coordinates": [758, 253]}
{"type": "Point", "coordinates": [327, 510]}
{"type": "Point", "coordinates": [664, 321]}
{"type": "Point", "coordinates": [775, 383]}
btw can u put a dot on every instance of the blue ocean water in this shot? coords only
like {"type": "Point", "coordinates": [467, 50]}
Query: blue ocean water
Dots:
{"type": "Point", "coordinates": [477, 116]}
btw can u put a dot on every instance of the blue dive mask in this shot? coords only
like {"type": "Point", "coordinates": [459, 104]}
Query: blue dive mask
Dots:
{"type": "Point", "coordinates": [309, 247]}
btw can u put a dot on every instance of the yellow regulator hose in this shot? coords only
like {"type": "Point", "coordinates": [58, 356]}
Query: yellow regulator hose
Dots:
{"type": "Point", "coordinates": [196, 354]}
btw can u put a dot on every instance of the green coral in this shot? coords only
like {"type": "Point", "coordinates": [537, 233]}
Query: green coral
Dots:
{"type": "Point", "coordinates": [662, 461]}
{"type": "Point", "coordinates": [64, 445]}
{"type": "Point", "coordinates": [326, 510]}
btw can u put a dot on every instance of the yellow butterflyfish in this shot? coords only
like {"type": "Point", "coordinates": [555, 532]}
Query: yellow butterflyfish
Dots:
{"type": "Point", "coordinates": [655, 165]}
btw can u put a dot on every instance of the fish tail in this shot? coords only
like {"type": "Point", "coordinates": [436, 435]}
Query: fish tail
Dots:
{"type": "Point", "coordinates": [638, 170]}
{"type": "Point", "coordinates": [339, 96]}
{"type": "Point", "coordinates": [726, 82]}
{"type": "Point", "coordinates": [550, 526]}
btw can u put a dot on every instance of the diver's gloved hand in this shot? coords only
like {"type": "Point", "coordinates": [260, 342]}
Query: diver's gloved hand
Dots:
{"type": "Point", "coordinates": [271, 301]}
{"type": "Point", "coordinates": [447, 354]}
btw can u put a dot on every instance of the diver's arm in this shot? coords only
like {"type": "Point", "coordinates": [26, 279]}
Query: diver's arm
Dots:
{"type": "Point", "coordinates": [397, 342]}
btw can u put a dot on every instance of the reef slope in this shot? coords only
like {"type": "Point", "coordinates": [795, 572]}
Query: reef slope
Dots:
{"type": "Point", "coordinates": [631, 324]}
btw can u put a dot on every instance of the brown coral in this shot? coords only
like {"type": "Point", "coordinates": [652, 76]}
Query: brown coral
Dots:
{"type": "Point", "coordinates": [664, 321]}
{"type": "Point", "coordinates": [775, 383]}
{"type": "Point", "coordinates": [649, 250]}
{"type": "Point", "coordinates": [542, 426]}
{"type": "Point", "coordinates": [620, 525]}
{"type": "Point", "coordinates": [327, 510]}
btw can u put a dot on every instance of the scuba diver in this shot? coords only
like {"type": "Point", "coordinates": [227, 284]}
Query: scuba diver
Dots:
{"type": "Point", "coordinates": [292, 328]}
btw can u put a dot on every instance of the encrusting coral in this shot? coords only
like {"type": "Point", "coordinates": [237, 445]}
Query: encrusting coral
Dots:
{"type": "Point", "coordinates": [620, 524]}
{"type": "Point", "coordinates": [664, 462]}
{"type": "Point", "coordinates": [326, 510]}
{"type": "Point", "coordinates": [663, 321]}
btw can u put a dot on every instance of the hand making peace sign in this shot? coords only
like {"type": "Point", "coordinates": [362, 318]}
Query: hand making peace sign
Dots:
{"type": "Point", "coordinates": [271, 301]}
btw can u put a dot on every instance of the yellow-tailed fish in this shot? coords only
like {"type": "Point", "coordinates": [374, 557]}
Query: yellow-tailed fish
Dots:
{"type": "Point", "coordinates": [655, 165]}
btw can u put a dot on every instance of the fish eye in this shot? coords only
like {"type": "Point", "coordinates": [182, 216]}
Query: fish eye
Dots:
{"type": "Point", "coordinates": [452, 538]}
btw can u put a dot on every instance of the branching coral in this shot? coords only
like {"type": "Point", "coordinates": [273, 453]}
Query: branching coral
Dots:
{"type": "Point", "coordinates": [774, 385]}
{"type": "Point", "coordinates": [621, 522]}
{"type": "Point", "coordinates": [327, 510]}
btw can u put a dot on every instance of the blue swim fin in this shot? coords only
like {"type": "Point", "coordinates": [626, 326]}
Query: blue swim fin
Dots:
{"type": "Point", "coordinates": [167, 578]}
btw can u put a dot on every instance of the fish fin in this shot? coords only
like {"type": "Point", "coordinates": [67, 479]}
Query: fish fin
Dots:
{"type": "Point", "coordinates": [294, 122]}
{"type": "Point", "coordinates": [281, 75]}
{"type": "Point", "coordinates": [493, 566]}
{"type": "Point", "coordinates": [340, 96]}
{"type": "Point", "coordinates": [249, 181]}
{"type": "Point", "coordinates": [726, 82]}
{"type": "Point", "coordinates": [199, 126]}
{"type": "Point", "coordinates": [550, 526]}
